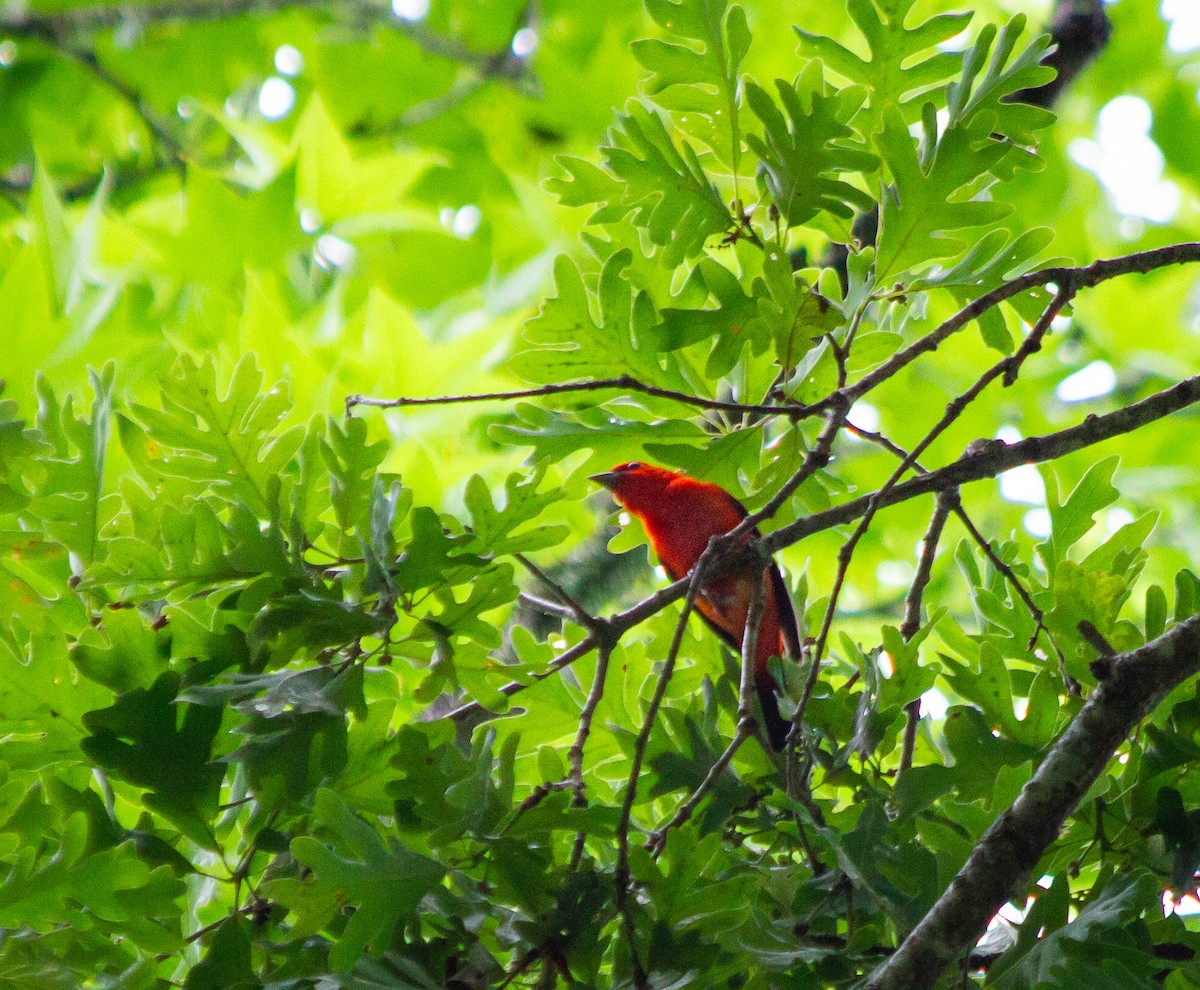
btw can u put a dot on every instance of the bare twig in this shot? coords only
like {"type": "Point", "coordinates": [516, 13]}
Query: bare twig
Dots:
{"type": "Point", "coordinates": [987, 460]}
{"type": "Point", "coordinates": [522, 963]}
{"type": "Point", "coordinates": [621, 383]}
{"type": "Point", "coordinates": [744, 729]}
{"type": "Point", "coordinates": [1016, 583]}
{"type": "Point", "coordinates": [576, 752]}
{"type": "Point", "coordinates": [577, 611]}
{"type": "Point", "coordinates": [536, 797]}
{"type": "Point", "coordinates": [1009, 368]}
{"type": "Point", "coordinates": [912, 613]}
{"type": "Point", "coordinates": [556, 609]}
{"type": "Point", "coordinates": [814, 460]}
{"type": "Point", "coordinates": [985, 545]}
{"type": "Point", "coordinates": [1076, 278]}
{"type": "Point", "coordinates": [157, 126]}
{"type": "Point", "coordinates": [1080, 278]}
{"type": "Point", "coordinates": [581, 649]}
{"type": "Point", "coordinates": [1096, 640]}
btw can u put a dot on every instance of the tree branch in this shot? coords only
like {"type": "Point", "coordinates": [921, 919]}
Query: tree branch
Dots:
{"type": "Point", "coordinates": [985, 460]}
{"type": "Point", "coordinates": [994, 457]}
{"type": "Point", "coordinates": [1080, 278]}
{"type": "Point", "coordinates": [1000, 864]}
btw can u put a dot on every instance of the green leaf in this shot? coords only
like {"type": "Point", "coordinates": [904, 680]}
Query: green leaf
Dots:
{"type": "Point", "coordinates": [1099, 948]}
{"type": "Point", "coordinates": [127, 657]}
{"type": "Point", "coordinates": [1071, 519]}
{"type": "Point", "coordinates": [801, 157]}
{"type": "Point", "coordinates": [902, 65]}
{"type": "Point", "coordinates": [227, 965]}
{"type": "Point", "coordinates": [183, 546]}
{"type": "Point", "coordinates": [351, 462]}
{"type": "Point", "coordinates": [555, 436]}
{"type": "Point", "coordinates": [566, 343]}
{"type": "Point", "coordinates": [18, 445]}
{"type": "Point", "coordinates": [1156, 612]}
{"type": "Point", "coordinates": [980, 102]}
{"type": "Point", "coordinates": [499, 531]}
{"type": "Point", "coordinates": [230, 442]}
{"type": "Point", "coordinates": [381, 880]}
{"type": "Point", "coordinates": [931, 199]}
{"type": "Point", "coordinates": [140, 738]}
{"type": "Point", "coordinates": [432, 554]}
{"type": "Point", "coordinates": [664, 186]}
{"type": "Point", "coordinates": [697, 76]}
{"type": "Point", "coordinates": [67, 502]}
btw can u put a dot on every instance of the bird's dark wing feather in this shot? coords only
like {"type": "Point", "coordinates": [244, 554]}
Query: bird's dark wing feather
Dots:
{"type": "Point", "coordinates": [784, 610]}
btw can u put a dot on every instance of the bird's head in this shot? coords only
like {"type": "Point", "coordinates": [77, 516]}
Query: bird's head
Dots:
{"type": "Point", "coordinates": [637, 486]}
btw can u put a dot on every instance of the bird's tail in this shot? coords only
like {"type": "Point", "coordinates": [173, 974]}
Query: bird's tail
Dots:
{"type": "Point", "coordinates": [774, 724]}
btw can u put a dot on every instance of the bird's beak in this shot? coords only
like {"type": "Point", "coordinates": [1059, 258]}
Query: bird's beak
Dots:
{"type": "Point", "coordinates": [606, 478]}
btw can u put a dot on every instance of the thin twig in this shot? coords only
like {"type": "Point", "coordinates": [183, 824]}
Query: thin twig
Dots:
{"type": "Point", "coordinates": [560, 662]}
{"type": "Point", "coordinates": [984, 544]}
{"type": "Point", "coordinates": [1016, 583]}
{"type": "Point", "coordinates": [745, 723]}
{"type": "Point", "coordinates": [523, 962]}
{"type": "Point", "coordinates": [912, 615]}
{"type": "Point", "coordinates": [814, 460]}
{"type": "Point", "coordinates": [639, 755]}
{"type": "Point", "coordinates": [1095, 639]}
{"type": "Point", "coordinates": [1081, 278]}
{"type": "Point", "coordinates": [624, 383]}
{"type": "Point", "coordinates": [1008, 367]}
{"type": "Point", "coordinates": [989, 459]}
{"type": "Point", "coordinates": [154, 123]}
{"type": "Point", "coordinates": [575, 755]}
{"type": "Point", "coordinates": [580, 614]}
{"type": "Point", "coordinates": [556, 609]}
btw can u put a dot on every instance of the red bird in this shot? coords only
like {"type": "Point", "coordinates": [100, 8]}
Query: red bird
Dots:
{"type": "Point", "coordinates": [680, 515]}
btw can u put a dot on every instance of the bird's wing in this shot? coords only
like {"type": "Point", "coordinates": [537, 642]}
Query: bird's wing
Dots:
{"type": "Point", "coordinates": [785, 612]}
{"type": "Point", "coordinates": [789, 628]}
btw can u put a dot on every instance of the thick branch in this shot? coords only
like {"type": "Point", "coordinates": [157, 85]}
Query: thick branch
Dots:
{"type": "Point", "coordinates": [999, 866]}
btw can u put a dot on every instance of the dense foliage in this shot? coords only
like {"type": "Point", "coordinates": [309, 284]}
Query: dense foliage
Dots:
{"type": "Point", "coordinates": [297, 692]}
